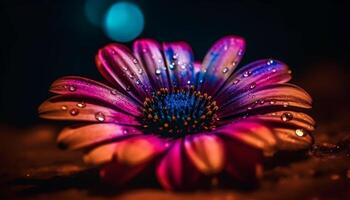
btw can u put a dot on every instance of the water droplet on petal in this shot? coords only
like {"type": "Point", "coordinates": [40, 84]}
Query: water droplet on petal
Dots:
{"type": "Point", "coordinates": [114, 92]}
{"type": "Point", "coordinates": [127, 88]}
{"type": "Point", "coordinates": [270, 62]}
{"type": "Point", "coordinates": [158, 71]}
{"type": "Point", "coordinates": [188, 82]}
{"type": "Point", "coordinates": [240, 52]}
{"type": "Point", "coordinates": [172, 66]}
{"type": "Point", "coordinates": [285, 104]}
{"type": "Point", "coordinates": [175, 56]}
{"type": "Point", "coordinates": [246, 74]}
{"type": "Point", "coordinates": [235, 81]}
{"type": "Point", "coordinates": [139, 70]}
{"type": "Point", "coordinates": [74, 112]}
{"type": "Point", "coordinates": [252, 86]}
{"type": "Point", "coordinates": [135, 60]}
{"type": "Point", "coordinates": [81, 105]}
{"type": "Point", "coordinates": [225, 70]}
{"type": "Point", "coordinates": [287, 116]}
{"type": "Point", "coordinates": [289, 71]}
{"type": "Point", "coordinates": [261, 101]}
{"type": "Point", "coordinates": [113, 52]}
{"type": "Point", "coordinates": [72, 88]}
{"type": "Point", "coordinates": [138, 82]}
{"type": "Point", "coordinates": [100, 117]}
{"type": "Point", "coordinates": [300, 132]}
{"type": "Point", "coordinates": [125, 132]}
{"type": "Point", "coordinates": [272, 102]}
{"type": "Point", "coordinates": [273, 70]}
{"type": "Point", "coordinates": [64, 107]}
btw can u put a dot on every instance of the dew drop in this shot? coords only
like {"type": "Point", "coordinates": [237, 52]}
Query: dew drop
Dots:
{"type": "Point", "coordinates": [172, 66]}
{"type": "Point", "coordinates": [175, 56]}
{"type": "Point", "coordinates": [139, 70]}
{"type": "Point", "coordinates": [100, 117]}
{"type": "Point", "coordinates": [252, 86]}
{"type": "Point", "coordinates": [138, 82]}
{"type": "Point", "coordinates": [127, 88]}
{"type": "Point", "coordinates": [246, 74]}
{"type": "Point", "coordinates": [225, 70]}
{"type": "Point", "coordinates": [261, 101]}
{"type": "Point", "coordinates": [273, 70]}
{"type": "Point", "coordinates": [289, 71]}
{"type": "Point", "coordinates": [236, 81]}
{"type": "Point", "coordinates": [299, 132]}
{"type": "Point", "coordinates": [272, 102]}
{"type": "Point", "coordinates": [113, 52]}
{"type": "Point", "coordinates": [287, 116]}
{"type": "Point", "coordinates": [72, 88]}
{"type": "Point", "coordinates": [135, 60]}
{"type": "Point", "coordinates": [285, 104]}
{"type": "Point", "coordinates": [81, 105]}
{"type": "Point", "coordinates": [188, 82]}
{"type": "Point", "coordinates": [114, 92]}
{"type": "Point", "coordinates": [270, 62]}
{"type": "Point", "coordinates": [64, 107]}
{"type": "Point", "coordinates": [125, 132]}
{"type": "Point", "coordinates": [74, 112]}
{"type": "Point", "coordinates": [158, 71]}
{"type": "Point", "coordinates": [240, 52]}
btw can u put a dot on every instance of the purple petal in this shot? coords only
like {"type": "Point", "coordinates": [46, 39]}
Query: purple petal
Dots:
{"type": "Point", "coordinates": [175, 171]}
{"type": "Point", "coordinates": [84, 87]}
{"type": "Point", "coordinates": [179, 61]}
{"type": "Point", "coordinates": [76, 137]}
{"type": "Point", "coordinates": [117, 64]}
{"type": "Point", "coordinates": [262, 99]}
{"type": "Point", "coordinates": [250, 132]}
{"type": "Point", "coordinates": [74, 109]}
{"type": "Point", "coordinates": [255, 75]}
{"type": "Point", "coordinates": [220, 62]}
{"type": "Point", "coordinates": [149, 53]}
{"type": "Point", "coordinates": [206, 153]}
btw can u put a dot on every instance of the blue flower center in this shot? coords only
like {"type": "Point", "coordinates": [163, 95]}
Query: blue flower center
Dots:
{"type": "Point", "coordinates": [179, 112]}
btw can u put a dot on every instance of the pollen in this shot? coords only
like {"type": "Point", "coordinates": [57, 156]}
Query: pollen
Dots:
{"type": "Point", "coordinates": [178, 112]}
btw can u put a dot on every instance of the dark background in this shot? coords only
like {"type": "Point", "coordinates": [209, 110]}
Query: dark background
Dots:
{"type": "Point", "coordinates": [42, 40]}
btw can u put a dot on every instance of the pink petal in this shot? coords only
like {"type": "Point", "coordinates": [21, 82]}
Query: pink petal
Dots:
{"type": "Point", "coordinates": [273, 96]}
{"type": "Point", "coordinates": [76, 137]}
{"type": "Point", "coordinates": [175, 171]}
{"type": "Point", "coordinates": [117, 64]}
{"type": "Point", "coordinates": [149, 53]}
{"type": "Point", "coordinates": [255, 75]}
{"type": "Point", "coordinates": [179, 61]}
{"type": "Point", "coordinates": [206, 153]}
{"type": "Point", "coordinates": [220, 62]}
{"type": "Point", "coordinates": [84, 87]}
{"type": "Point", "coordinates": [131, 157]}
{"type": "Point", "coordinates": [69, 108]}
{"type": "Point", "coordinates": [250, 132]}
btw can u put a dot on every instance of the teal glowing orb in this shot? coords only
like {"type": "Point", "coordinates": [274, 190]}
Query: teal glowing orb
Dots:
{"type": "Point", "coordinates": [123, 21]}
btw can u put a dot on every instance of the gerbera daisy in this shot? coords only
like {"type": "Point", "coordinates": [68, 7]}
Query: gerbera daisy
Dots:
{"type": "Point", "coordinates": [189, 121]}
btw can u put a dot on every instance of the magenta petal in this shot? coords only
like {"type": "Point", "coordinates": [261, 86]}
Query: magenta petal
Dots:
{"type": "Point", "coordinates": [75, 109]}
{"type": "Point", "coordinates": [175, 171]}
{"type": "Point", "coordinates": [83, 87]}
{"type": "Point", "coordinates": [220, 62]}
{"type": "Point", "coordinates": [277, 97]}
{"type": "Point", "coordinates": [117, 64]}
{"type": "Point", "coordinates": [255, 75]}
{"type": "Point", "coordinates": [150, 55]}
{"type": "Point", "coordinates": [179, 60]}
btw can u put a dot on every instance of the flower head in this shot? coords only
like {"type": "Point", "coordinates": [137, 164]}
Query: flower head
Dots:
{"type": "Point", "coordinates": [190, 121]}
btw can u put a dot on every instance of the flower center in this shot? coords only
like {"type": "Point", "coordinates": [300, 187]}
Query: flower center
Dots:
{"type": "Point", "coordinates": [179, 112]}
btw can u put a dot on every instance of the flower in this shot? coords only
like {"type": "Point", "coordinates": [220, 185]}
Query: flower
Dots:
{"type": "Point", "coordinates": [188, 122]}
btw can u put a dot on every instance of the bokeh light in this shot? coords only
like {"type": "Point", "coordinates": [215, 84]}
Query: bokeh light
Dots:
{"type": "Point", "coordinates": [123, 21]}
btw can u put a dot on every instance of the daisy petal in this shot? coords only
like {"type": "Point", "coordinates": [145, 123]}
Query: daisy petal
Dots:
{"type": "Point", "coordinates": [271, 96]}
{"type": "Point", "coordinates": [175, 171]}
{"type": "Point", "coordinates": [117, 64]}
{"type": "Point", "coordinates": [68, 108]}
{"type": "Point", "coordinates": [253, 133]}
{"type": "Point", "coordinates": [293, 139]}
{"type": "Point", "coordinates": [84, 87]}
{"type": "Point", "coordinates": [76, 137]}
{"type": "Point", "coordinates": [149, 53]}
{"type": "Point", "coordinates": [220, 62]}
{"type": "Point", "coordinates": [256, 74]}
{"type": "Point", "coordinates": [206, 152]}
{"type": "Point", "coordinates": [286, 118]}
{"type": "Point", "coordinates": [130, 157]}
{"type": "Point", "coordinates": [179, 60]}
